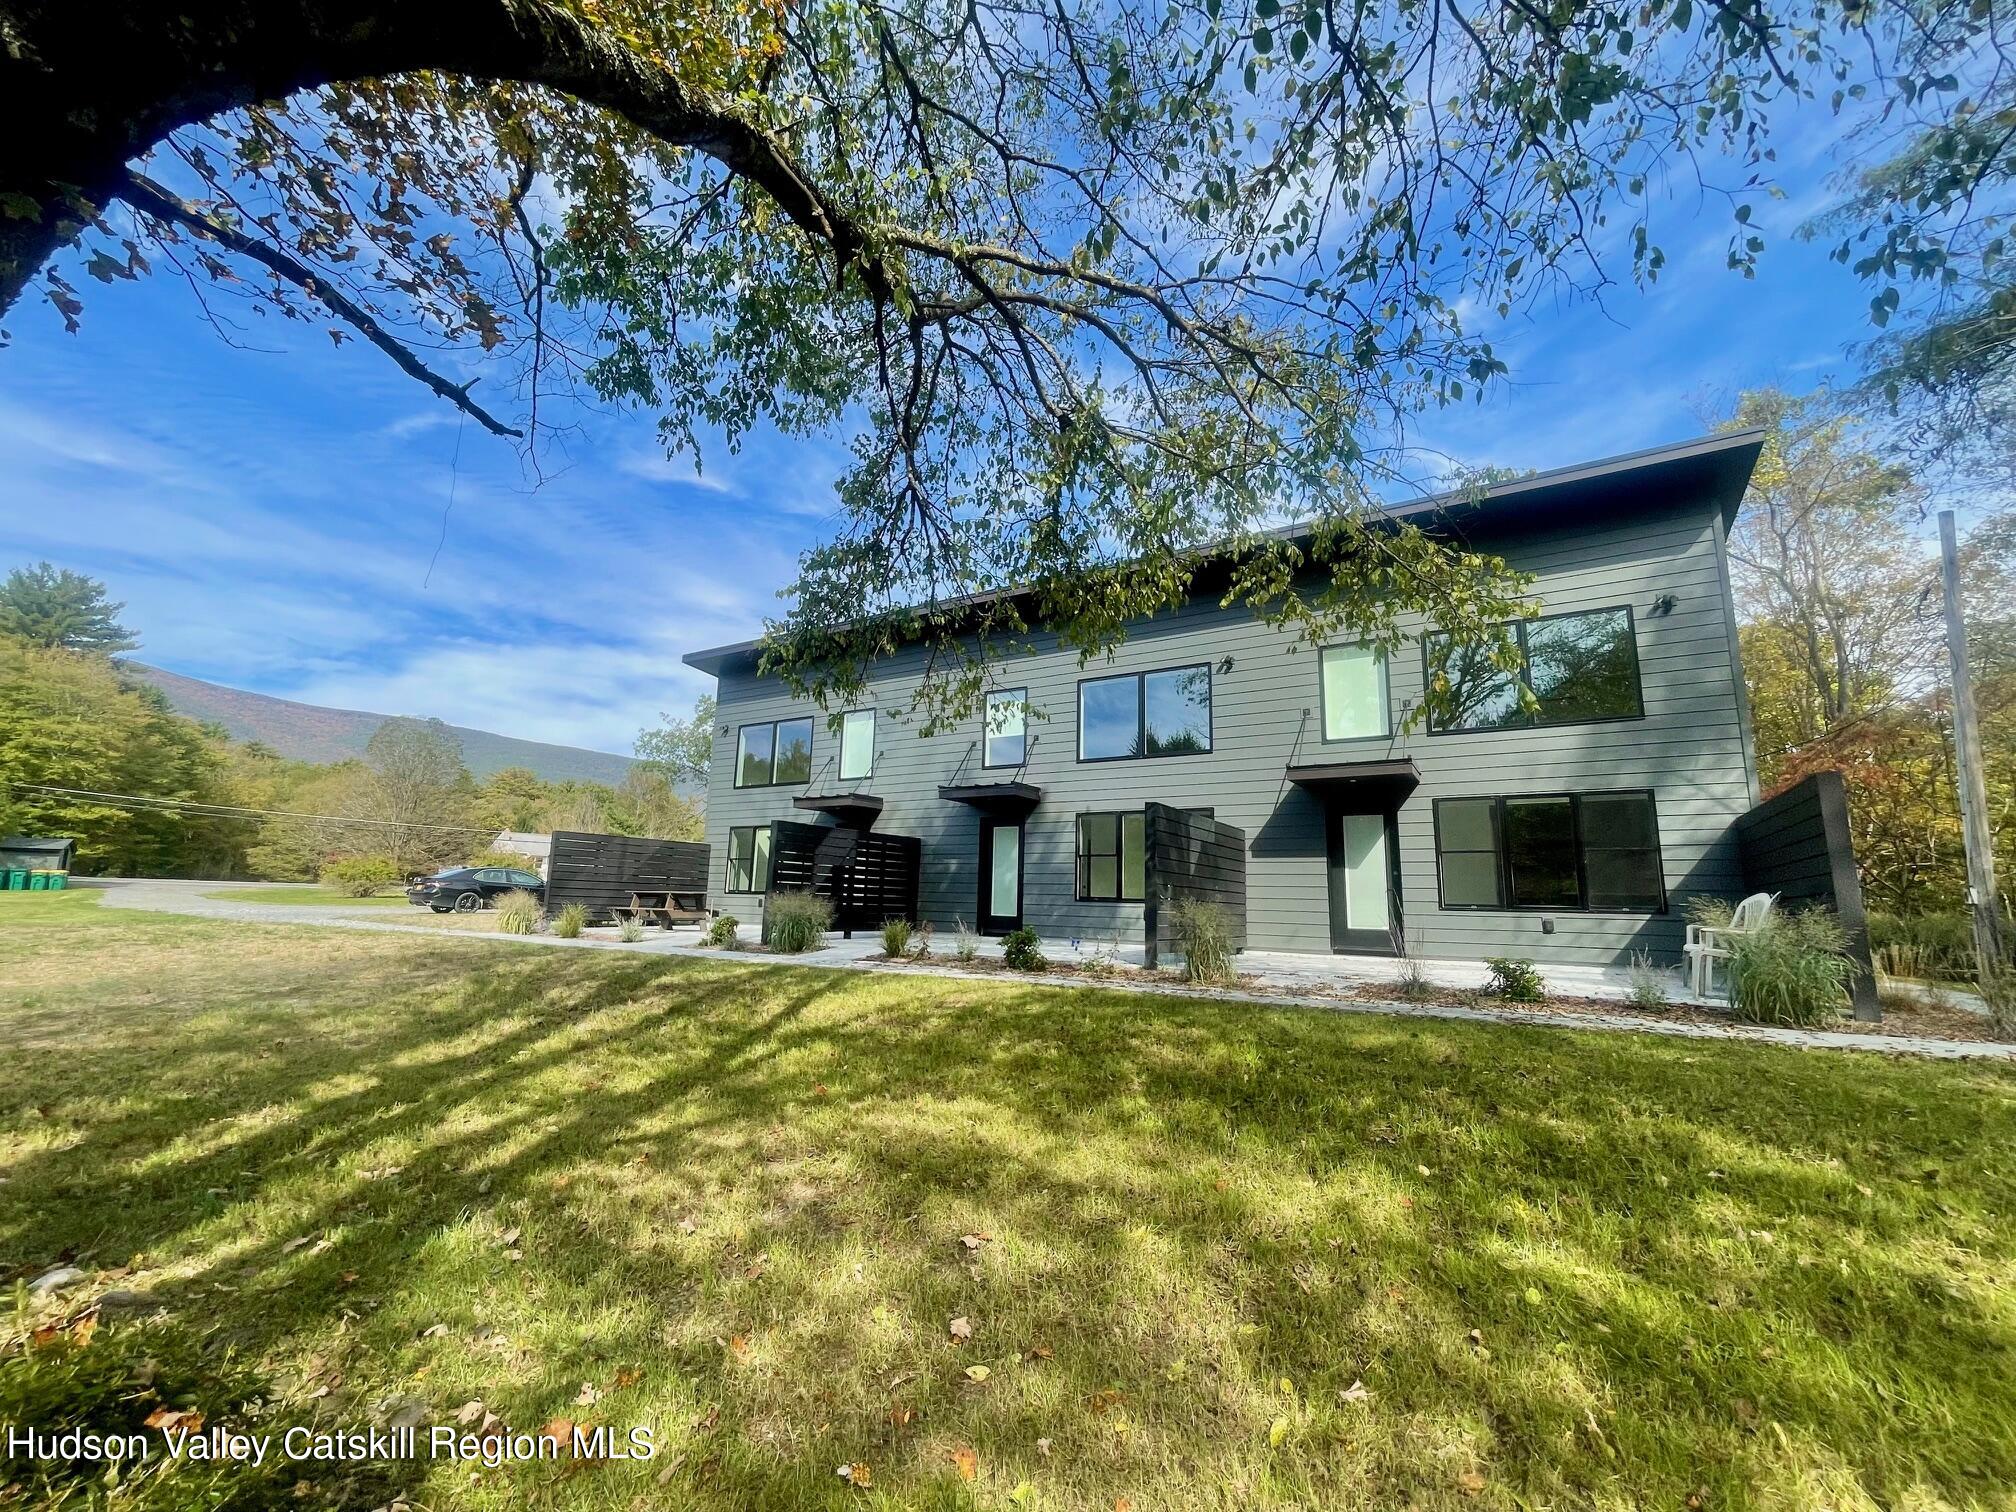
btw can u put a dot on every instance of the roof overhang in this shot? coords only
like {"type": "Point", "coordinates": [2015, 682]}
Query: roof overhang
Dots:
{"type": "Point", "coordinates": [1711, 469]}
{"type": "Point", "coordinates": [858, 809]}
{"type": "Point", "coordinates": [1376, 781]}
{"type": "Point", "coordinates": [1011, 800]}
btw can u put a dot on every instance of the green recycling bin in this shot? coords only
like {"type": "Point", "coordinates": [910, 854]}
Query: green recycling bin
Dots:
{"type": "Point", "coordinates": [38, 881]}
{"type": "Point", "coordinates": [58, 881]}
{"type": "Point", "coordinates": [14, 878]}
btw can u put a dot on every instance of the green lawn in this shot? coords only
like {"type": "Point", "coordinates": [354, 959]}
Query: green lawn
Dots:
{"type": "Point", "coordinates": [304, 895]}
{"type": "Point", "coordinates": [1569, 1269]}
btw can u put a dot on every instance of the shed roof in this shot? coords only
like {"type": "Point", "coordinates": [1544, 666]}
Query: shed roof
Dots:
{"type": "Point", "coordinates": [1714, 468]}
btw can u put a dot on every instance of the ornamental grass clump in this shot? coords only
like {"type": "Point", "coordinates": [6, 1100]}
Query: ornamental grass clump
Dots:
{"type": "Point", "coordinates": [798, 922]}
{"type": "Point", "coordinates": [570, 921]}
{"type": "Point", "coordinates": [1203, 932]}
{"type": "Point", "coordinates": [1648, 985]}
{"type": "Point", "coordinates": [1793, 970]}
{"type": "Point", "coordinates": [518, 913]}
{"type": "Point", "coordinates": [629, 930]}
{"type": "Point", "coordinates": [895, 938]}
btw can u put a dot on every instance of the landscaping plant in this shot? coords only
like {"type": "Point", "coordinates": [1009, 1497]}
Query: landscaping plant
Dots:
{"type": "Point", "coordinates": [629, 930]}
{"type": "Point", "coordinates": [1648, 986]}
{"type": "Point", "coordinates": [1203, 932]}
{"type": "Point", "coordinates": [721, 934]}
{"type": "Point", "coordinates": [798, 922]}
{"type": "Point", "coordinates": [895, 938]}
{"type": "Point", "coordinates": [360, 876]}
{"type": "Point", "coordinates": [1021, 951]}
{"type": "Point", "coordinates": [1923, 946]}
{"type": "Point", "coordinates": [519, 913]}
{"type": "Point", "coordinates": [1998, 988]}
{"type": "Point", "coordinates": [570, 921]}
{"type": "Point", "coordinates": [967, 945]}
{"type": "Point", "coordinates": [1795, 970]}
{"type": "Point", "coordinates": [1514, 980]}
{"type": "Point", "coordinates": [1412, 984]}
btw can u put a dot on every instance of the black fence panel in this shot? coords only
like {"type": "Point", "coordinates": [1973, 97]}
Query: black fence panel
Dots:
{"type": "Point", "coordinates": [1798, 846]}
{"type": "Point", "coordinates": [1190, 856]}
{"type": "Point", "coordinates": [867, 876]}
{"type": "Point", "coordinates": [603, 871]}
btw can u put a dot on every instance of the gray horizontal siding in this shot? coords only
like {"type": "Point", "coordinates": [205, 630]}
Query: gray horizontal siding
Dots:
{"type": "Point", "coordinates": [1690, 749]}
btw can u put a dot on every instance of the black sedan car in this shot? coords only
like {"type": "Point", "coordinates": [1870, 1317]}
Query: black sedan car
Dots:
{"type": "Point", "coordinates": [465, 889]}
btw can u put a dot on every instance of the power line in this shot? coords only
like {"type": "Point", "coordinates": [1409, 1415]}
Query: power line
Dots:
{"type": "Point", "coordinates": [195, 809]}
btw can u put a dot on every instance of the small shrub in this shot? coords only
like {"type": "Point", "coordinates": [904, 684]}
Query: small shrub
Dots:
{"type": "Point", "coordinates": [798, 922]}
{"type": "Point", "coordinates": [895, 938]}
{"type": "Point", "coordinates": [1648, 986]}
{"type": "Point", "coordinates": [1021, 950]}
{"type": "Point", "coordinates": [922, 948]}
{"type": "Point", "coordinates": [1794, 971]}
{"type": "Point", "coordinates": [629, 930]}
{"type": "Point", "coordinates": [1412, 984]}
{"type": "Point", "coordinates": [1516, 981]}
{"type": "Point", "coordinates": [967, 944]}
{"type": "Point", "coordinates": [721, 934]}
{"type": "Point", "coordinates": [570, 921]}
{"type": "Point", "coordinates": [1203, 932]}
{"type": "Point", "coordinates": [361, 876]}
{"type": "Point", "coordinates": [519, 913]}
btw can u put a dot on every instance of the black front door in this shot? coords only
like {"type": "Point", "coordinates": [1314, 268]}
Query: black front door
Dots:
{"type": "Point", "coordinates": [1000, 876]}
{"type": "Point", "coordinates": [1364, 884]}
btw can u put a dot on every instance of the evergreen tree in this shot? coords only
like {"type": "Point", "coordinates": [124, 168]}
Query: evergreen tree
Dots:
{"type": "Point", "coordinates": [50, 607]}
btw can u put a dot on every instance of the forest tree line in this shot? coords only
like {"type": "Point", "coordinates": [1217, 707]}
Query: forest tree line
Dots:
{"type": "Point", "coordinates": [192, 802]}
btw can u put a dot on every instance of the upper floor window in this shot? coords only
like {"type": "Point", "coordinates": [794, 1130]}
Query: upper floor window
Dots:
{"type": "Point", "coordinates": [857, 744]}
{"type": "Point", "coordinates": [1354, 692]}
{"type": "Point", "coordinates": [1580, 667]}
{"type": "Point", "coordinates": [1004, 742]}
{"type": "Point", "coordinates": [749, 858]}
{"type": "Point", "coordinates": [777, 752]}
{"type": "Point", "coordinates": [1165, 713]}
{"type": "Point", "coordinates": [1595, 852]}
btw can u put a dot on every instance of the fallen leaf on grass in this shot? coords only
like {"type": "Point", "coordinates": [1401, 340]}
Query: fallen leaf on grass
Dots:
{"type": "Point", "coordinates": [1355, 1392]}
{"type": "Point", "coordinates": [967, 1461]}
{"type": "Point", "coordinates": [1123, 1504]}
{"type": "Point", "coordinates": [626, 1377]}
{"type": "Point", "coordinates": [509, 1236]}
{"type": "Point", "coordinates": [1471, 1483]}
{"type": "Point", "coordinates": [469, 1412]}
{"type": "Point", "coordinates": [1276, 1432]}
{"type": "Point", "coordinates": [166, 1418]}
{"type": "Point", "coordinates": [974, 1241]}
{"type": "Point", "coordinates": [559, 1431]}
{"type": "Point", "coordinates": [1105, 1401]}
{"type": "Point", "coordinates": [294, 1244]}
{"type": "Point", "coordinates": [960, 1328]}
{"type": "Point", "coordinates": [587, 1396]}
{"type": "Point", "coordinates": [1043, 1447]}
{"type": "Point", "coordinates": [688, 1226]}
{"type": "Point", "coordinates": [977, 1373]}
{"type": "Point", "coordinates": [436, 1331]}
{"type": "Point", "coordinates": [857, 1475]}
{"type": "Point", "coordinates": [900, 1415]}
{"type": "Point", "coordinates": [738, 1346]}
{"type": "Point", "coordinates": [1039, 1352]}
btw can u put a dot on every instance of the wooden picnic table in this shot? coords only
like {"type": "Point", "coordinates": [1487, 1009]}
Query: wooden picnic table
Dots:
{"type": "Point", "coordinates": [666, 909]}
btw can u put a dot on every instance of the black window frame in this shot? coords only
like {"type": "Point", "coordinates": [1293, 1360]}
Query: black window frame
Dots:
{"type": "Point", "coordinates": [775, 725]}
{"type": "Point", "coordinates": [1023, 759]}
{"type": "Point", "coordinates": [728, 862]}
{"type": "Point", "coordinates": [840, 739]}
{"type": "Point", "coordinates": [1504, 864]}
{"type": "Point", "coordinates": [1141, 713]}
{"type": "Point", "coordinates": [1385, 662]}
{"type": "Point", "coordinates": [1081, 873]}
{"type": "Point", "coordinates": [1523, 677]}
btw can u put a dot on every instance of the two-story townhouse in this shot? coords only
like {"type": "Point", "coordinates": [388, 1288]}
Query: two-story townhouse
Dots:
{"type": "Point", "coordinates": [1571, 835]}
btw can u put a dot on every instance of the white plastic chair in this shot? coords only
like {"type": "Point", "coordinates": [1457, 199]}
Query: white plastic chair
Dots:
{"type": "Point", "coordinates": [1709, 943]}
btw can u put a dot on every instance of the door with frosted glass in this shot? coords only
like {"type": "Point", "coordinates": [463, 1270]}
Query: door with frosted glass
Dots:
{"type": "Point", "coordinates": [1364, 889]}
{"type": "Point", "coordinates": [1000, 876]}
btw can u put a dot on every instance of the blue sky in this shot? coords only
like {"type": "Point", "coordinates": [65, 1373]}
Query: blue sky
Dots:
{"type": "Point", "coordinates": [270, 513]}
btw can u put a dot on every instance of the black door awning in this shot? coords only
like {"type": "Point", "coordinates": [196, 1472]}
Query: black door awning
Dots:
{"type": "Point", "coordinates": [1371, 781]}
{"type": "Point", "coordinates": [857, 809]}
{"type": "Point", "coordinates": [1004, 800]}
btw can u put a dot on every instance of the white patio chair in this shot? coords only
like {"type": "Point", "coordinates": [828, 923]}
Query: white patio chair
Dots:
{"type": "Point", "coordinates": [1709, 943]}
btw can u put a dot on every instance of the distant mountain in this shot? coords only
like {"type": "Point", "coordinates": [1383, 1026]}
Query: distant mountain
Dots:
{"type": "Point", "coordinates": [309, 732]}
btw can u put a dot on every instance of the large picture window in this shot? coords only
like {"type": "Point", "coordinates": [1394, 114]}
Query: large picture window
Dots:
{"type": "Point", "coordinates": [1005, 737]}
{"type": "Point", "coordinates": [1581, 668]}
{"type": "Point", "coordinates": [1565, 852]}
{"type": "Point", "coordinates": [1354, 692]}
{"type": "Point", "coordinates": [749, 859]}
{"type": "Point", "coordinates": [1166, 713]}
{"type": "Point", "coordinates": [857, 744]}
{"type": "Point", "coordinates": [777, 752]}
{"type": "Point", "coordinates": [1112, 858]}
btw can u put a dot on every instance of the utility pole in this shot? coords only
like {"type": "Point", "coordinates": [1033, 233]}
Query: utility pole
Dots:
{"type": "Point", "coordinates": [1982, 900]}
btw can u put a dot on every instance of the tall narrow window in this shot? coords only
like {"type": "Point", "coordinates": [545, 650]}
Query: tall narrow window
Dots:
{"type": "Point", "coordinates": [749, 859]}
{"type": "Point", "coordinates": [1354, 692]}
{"type": "Point", "coordinates": [775, 752]}
{"type": "Point", "coordinates": [1540, 864]}
{"type": "Point", "coordinates": [1620, 852]}
{"type": "Point", "coordinates": [1466, 847]}
{"type": "Point", "coordinates": [1005, 739]}
{"type": "Point", "coordinates": [857, 744]}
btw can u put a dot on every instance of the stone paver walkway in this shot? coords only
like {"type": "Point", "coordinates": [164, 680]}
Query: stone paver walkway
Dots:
{"type": "Point", "coordinates": [852, 955]}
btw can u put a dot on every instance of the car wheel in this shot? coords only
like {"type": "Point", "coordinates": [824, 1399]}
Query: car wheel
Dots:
{"type": "Point", "coordinates": [468, 902]}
